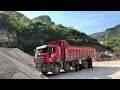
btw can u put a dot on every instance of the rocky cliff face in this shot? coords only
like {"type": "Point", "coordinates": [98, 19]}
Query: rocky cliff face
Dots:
{"type": "Point", "coordinates": [8, 38]}
{"type": "Point", "coordinates": [45, 19]}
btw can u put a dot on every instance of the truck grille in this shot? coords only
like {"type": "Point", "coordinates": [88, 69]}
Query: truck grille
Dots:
{"type": "Point", "coordinates": [39, 60]}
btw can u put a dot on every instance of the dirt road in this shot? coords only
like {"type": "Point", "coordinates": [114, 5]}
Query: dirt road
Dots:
{"type": "Point", "coordinates": [102, 70]}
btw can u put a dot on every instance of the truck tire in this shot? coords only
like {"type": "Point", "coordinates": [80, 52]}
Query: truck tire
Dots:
{"type": "Point", "coordinates": [44, 73]}
{"type": "Point", "coordinates": [67, 67]}
{"type": "Point", "coordinates": [85, 64]}
{"type": "Point", "coordinates": [56, 69]}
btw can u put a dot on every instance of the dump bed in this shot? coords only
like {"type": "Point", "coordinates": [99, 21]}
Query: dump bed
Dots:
{"type": "Point", "coordinates": [69, 52]}
{"type": "Point", "coordinates": [77, 52]}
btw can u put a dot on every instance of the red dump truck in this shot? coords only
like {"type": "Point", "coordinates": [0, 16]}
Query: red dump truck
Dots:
{"type": "Point", "coordinates": [59, 55]}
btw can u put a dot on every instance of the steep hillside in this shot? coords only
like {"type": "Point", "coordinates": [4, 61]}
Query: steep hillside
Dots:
{"type": "Point", "coordinates": [110, 38]}
{"type": "Point", "coordinates": [30, 33]}
{"type": "Point", "coordinates": [110, 32]}
{"type": "Point", "coordinates": [97, 35]}
{"type": "Point", "coordinates": [113, 43]}
{"type": "Point", "coordinates": [16, 13]}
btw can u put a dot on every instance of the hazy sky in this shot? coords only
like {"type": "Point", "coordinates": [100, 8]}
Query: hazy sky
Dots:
{"type": "Point", "coordinates": [85, 21]}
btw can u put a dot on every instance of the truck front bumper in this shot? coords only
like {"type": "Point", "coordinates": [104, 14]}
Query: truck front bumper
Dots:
{"type": "Point", "coordinates": [44, 67]}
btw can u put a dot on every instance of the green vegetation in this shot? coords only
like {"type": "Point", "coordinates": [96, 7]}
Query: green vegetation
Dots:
{"type": "Point", "coordinates": [111, 38]}
{"type": "Point", "coordinates": [113, 43]}
{"type": "Point", "coordinates": [41, 30]}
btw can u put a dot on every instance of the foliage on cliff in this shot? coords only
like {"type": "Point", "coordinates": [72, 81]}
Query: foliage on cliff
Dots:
{"type": "Point", "coordinates": [41, 30]}
{"type": "Point", "coordinates": [111, 37]}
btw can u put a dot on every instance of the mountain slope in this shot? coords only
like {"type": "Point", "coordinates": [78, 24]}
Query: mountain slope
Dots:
{"type": "Point", "coordinates": [109, 37]}
{"type": "Point", "coordinates": [110, 32]}
{"type": "Point", "coordinates": [31, 33]}
{"type": "Point", "coordinates": [16, 13]}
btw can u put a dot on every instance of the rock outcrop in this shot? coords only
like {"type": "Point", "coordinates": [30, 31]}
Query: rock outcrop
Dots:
{"type": "Point", "coordinates": [8, 38]}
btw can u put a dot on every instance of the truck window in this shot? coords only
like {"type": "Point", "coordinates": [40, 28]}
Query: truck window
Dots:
{"type": "Point", "coordinates": [41, 51]}
{"type": "Point", "coordinates": [52, 50]}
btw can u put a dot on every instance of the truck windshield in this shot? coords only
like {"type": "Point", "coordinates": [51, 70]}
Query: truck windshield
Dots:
{"type": "Point", "coordinates": [42, 51]}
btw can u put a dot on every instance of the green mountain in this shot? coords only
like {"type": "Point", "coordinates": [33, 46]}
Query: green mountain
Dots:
{"type": "Point", "coordinates": [26, 34]}
{"type": "Point", "coordinates": [109, 38]}
{"type": "Point", "coordinates": [16, 13]}
{"type": "Point", "coordinates": [45, 19]}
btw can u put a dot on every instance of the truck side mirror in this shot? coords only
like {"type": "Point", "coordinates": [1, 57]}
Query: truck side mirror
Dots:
{"type": "Point", "coordinates": [34, 50]}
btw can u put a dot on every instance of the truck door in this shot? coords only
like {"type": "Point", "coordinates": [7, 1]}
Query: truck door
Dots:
{"type": "Point", "coordinates": [52, 53]}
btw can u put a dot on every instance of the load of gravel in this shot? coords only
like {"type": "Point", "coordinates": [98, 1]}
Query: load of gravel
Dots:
{"type": "Point", "coordinates": [15, 64]}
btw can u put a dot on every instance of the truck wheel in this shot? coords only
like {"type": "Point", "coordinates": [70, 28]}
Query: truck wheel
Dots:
{"type": "Point", "coordinates": [56, 69]}
{"type": "Point", "coordinates": [44, 73]}
{"type": "Point", "coordinates": [67, 67]}
{"type": "Point", "coordinates": [37, 68]}
{"type": "Point", "coordinates": [85, 64]}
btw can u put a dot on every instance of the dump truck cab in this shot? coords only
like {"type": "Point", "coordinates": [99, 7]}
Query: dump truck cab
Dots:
{"type": "Point", "coordinates": [47, 53]}
{"type": "Point", "coordinates": [40, 54]}
{"type": "Point", "coordinates": [45, 56]}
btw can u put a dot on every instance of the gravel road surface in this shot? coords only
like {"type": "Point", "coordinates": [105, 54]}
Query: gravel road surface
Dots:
{"type": "Point", "coordinates": [102, 70]}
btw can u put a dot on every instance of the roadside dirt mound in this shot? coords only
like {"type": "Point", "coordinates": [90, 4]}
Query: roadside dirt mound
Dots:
{"type": "Point", "coordinates": [15, 64]}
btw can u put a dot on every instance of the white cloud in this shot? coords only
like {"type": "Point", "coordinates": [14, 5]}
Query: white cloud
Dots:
{"type": "Point", "coordinates": [96, 19]}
